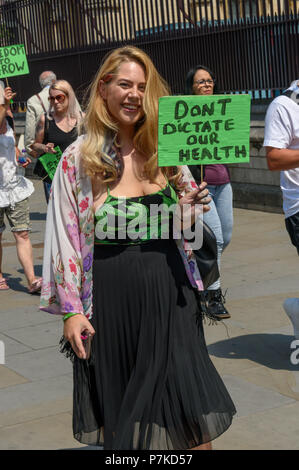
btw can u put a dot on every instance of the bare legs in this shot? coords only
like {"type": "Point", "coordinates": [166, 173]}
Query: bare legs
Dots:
{"type": "Point", "coordinates": [24, 252]}
{"type": "Point", "coordinates": [25, 256]}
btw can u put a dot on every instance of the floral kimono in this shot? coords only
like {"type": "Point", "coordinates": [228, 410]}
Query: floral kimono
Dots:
{"type": "Point", "coordinates": [69, 239]}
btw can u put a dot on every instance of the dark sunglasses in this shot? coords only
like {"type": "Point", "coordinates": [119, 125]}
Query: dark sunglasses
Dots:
{"type": "Point", "coordinates": [58, 98]}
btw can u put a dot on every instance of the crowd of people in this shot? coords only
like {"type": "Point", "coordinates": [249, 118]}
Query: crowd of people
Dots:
{"type": "Point", "coordinates": [15, 191]}
{"type": "Point", "coordinates": [132, 306]}
{"type": "Point", "coordinates": [52, 120]}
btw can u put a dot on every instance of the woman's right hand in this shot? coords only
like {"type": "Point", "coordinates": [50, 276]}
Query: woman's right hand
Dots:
{"type": "Point", "coordinates": [49, 148]}
{"type": "Point", "coordinates": [191, 205]}
{"type": "Point", "coordinates": [74, 327]}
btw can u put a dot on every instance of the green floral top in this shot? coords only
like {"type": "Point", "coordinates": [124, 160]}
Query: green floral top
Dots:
{"type": "Point", "coordinates": [127, 221]}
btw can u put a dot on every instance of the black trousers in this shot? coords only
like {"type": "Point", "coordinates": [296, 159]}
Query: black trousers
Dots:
{"type": "Point", "coordinates": [292, 226]}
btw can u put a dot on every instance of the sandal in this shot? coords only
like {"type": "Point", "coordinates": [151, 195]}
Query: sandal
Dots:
{"type": "Point", "coordinates": [3, 284]}
{"type": "Point", "coordinates": [36, 286]}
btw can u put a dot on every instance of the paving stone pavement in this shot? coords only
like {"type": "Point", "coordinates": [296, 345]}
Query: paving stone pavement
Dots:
{"type": "Point", "coordinates": [251, 350]}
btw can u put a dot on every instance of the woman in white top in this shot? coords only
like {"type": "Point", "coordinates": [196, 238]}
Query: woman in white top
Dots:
{"type": "Point", "coordinates": [14, 193]}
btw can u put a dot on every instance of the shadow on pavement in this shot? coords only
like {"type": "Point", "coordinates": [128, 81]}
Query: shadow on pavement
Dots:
{"type": "Point", "coordinates": [15, 283]}
{"type": "Point", "coordinates": [38, 215]}
{"type": "Point", "coordinates": [19, 284]}
{"type": "Point", "coordinates": [270, 350]}
{"type": "Point", "coordinates": [38, 269]}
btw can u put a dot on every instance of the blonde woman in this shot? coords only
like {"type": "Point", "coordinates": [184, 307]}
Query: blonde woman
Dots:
{"type": "Point", "coordinates": [148, 382]}
{"type": "Point", "coordinates": [58, 127]}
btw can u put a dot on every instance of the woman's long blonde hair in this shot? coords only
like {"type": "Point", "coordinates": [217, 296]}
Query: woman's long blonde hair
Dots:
{"type": "Point", "coordinates": [73, 111]}
{"type": "Point", "coordinates": [99, 125]}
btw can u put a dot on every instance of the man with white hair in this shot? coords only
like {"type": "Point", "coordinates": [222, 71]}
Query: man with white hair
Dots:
{"type": "Point", "coordinates": [282, 148]}
{"type": "Point", "coordinates": [37, 105]}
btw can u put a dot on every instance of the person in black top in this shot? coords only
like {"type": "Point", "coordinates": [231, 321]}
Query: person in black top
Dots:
{"type": "Point", "coordinates": [58, 127]}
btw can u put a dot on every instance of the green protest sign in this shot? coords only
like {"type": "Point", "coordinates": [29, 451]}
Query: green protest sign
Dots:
{"type": "Point", "coordinates": [203, 130]}
{"type": "Point", "coordinates": [50, 161]}
{"type": "Point", "coordinates": [13, 61]}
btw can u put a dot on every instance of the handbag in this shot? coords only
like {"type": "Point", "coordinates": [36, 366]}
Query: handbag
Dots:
{"type": "Point", "coordinates": [40, 171]}
{"type": "Point", "coordinates": [206, 257]}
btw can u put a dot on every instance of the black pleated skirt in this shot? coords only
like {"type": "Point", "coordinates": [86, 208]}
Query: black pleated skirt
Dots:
{"type": "Point", "coordinates": [150, 383]}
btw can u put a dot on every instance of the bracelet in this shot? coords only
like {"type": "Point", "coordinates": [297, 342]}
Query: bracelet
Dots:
{"type": "Point", "coordinates": [69, 315]}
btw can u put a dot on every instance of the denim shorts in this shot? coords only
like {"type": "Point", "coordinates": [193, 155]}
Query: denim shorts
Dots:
{"type": "Point", "coordinates": [18, 217]}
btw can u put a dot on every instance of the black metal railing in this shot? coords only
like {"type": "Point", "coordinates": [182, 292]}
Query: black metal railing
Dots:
{"type": "Point", "coordinates": [47, 26]}
{"type": "Point", "coordinates": [252, 45]}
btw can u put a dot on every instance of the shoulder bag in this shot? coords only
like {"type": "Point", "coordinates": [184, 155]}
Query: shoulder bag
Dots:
{"type": "Point", "coordinates": [206, 257]}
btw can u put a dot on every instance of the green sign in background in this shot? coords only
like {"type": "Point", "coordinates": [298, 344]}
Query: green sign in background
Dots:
{"type": "Point", "coordinates": [13, 61]}
{"type": "Point", "coordinates": [203, 130]}
{"type": "Point", "coordinates": [50, 161]}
